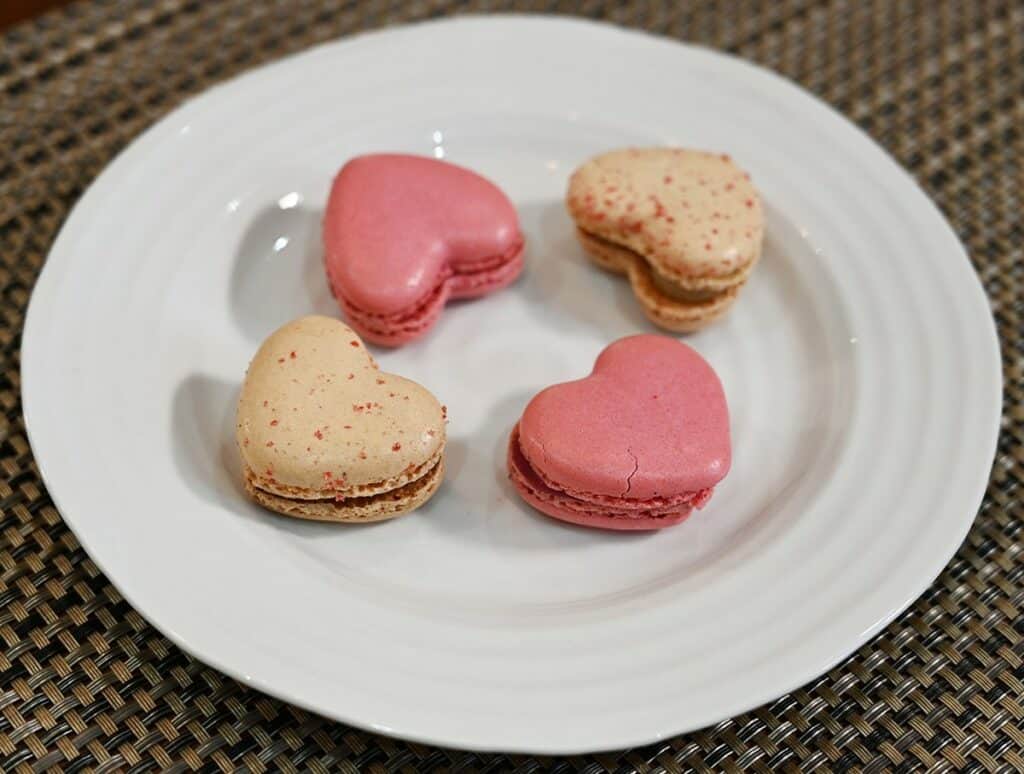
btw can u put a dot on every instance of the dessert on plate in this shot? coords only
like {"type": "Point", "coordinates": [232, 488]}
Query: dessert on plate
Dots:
{"type": "Point", "coordinates": [325, 434]}
{"type": "Point", "coordinates": [405, 234]}
{"type": "Point", "coordinates": [636, 445]}
{"type": "Point", "coordinates": [685, 226]}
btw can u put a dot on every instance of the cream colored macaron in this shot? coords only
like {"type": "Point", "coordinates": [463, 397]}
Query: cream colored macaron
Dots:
{"type": "Point", "coordinates": [685, 226]}
{"type": "Point", "coordinates": [325, 434]}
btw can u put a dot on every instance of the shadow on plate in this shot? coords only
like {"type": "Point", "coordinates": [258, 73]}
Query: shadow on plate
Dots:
{"type": "Point", "coordinates": [278, 272]}
{"type": "Point", "coordinates": [206, 456]}
{"type": "Point", "coordinates": [203, 435]}
{"type": "Point", "coordinates": [482, 505]}
{"type": "Point", "coordinates": [560, 280]}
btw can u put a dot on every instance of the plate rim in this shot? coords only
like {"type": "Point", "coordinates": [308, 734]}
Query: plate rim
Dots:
{"type": "Point", "coordinates": [48, 274]}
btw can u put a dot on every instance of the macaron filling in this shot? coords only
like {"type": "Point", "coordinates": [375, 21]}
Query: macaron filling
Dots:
{"type": "Point", "coordinates": [337, 487]}
{"type": "Point", "coordinates": [347, 496]}
{"type": "Point", "coordinates": [564, 502]}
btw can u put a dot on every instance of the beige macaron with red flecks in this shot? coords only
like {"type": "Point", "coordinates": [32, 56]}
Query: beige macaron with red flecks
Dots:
{"type": "Point", "coordinates": [325, 434]}
{"type": "Point", "coordinates": [685, 226]}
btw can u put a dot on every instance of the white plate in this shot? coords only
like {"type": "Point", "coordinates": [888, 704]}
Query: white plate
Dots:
{"type": "Point", "coordinates": [861, 368]}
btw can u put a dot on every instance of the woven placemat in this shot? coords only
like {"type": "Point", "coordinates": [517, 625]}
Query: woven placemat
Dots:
{"type": "Point", "coordinates": [87, 684]}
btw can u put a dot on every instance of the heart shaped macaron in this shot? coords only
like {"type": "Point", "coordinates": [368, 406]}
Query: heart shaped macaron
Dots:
{"type": "Point", "coordinates": [636, 445]}
{"type": "Point", "coordinates": [404, 234]}
{"type": "Point", "coordinates": [325, 434]}
{"type": "Point", "coordinates": [685, 226]}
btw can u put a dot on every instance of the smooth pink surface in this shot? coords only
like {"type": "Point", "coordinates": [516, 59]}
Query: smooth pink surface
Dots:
{"type": "Point", "coordinates": [396, 329]}
{"type": "Point", "coordinates": [403, 234]}
{"type": "Point", "coordinates": [649, 424]}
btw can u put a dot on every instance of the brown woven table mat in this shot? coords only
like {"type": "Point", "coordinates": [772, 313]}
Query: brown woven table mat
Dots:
{"type": "Point", "coordinates": [87, 684]}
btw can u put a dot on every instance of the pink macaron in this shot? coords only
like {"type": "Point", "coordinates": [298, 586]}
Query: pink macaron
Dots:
{"type": "Point", "coordinates": [404, 234]}
{"type": "Point", "coordinates": [636, 445]}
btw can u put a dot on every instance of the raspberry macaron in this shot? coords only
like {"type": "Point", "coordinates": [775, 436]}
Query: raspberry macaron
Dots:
{"type": "Point", "coordinates": [403, 235]}
{"type": "Point", "coordinates": [636, 445]}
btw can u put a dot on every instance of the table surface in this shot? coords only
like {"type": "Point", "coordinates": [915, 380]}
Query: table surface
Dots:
{"type": "Point", "coordinates": [87, 684]}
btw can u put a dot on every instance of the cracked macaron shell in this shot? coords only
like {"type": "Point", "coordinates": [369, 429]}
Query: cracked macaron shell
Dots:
{"type": "Point", "coordinates": [317, 417]}
{"type": "Point", "coordinates": [650, 421]}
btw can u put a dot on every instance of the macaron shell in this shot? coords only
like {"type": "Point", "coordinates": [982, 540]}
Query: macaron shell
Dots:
{"type": "Point", "coordinates": [690, 213]}
{"type": "Point", "coordinates": [608, 513]}
{"type": "Point", "coordinates": [316, 416]}
{"type": "Point", "coordinates": [549, 503]}
{"type": "Point", "coordinates": [650, 421]}
{"type": "Point", "coordinates": [396, 225]}
{"type": "Point", "coordinates": [395, 330]}
{"type": "Point", "coordinates": [486, 279]}
{"type": "Point", "coordinates": [674, 314]}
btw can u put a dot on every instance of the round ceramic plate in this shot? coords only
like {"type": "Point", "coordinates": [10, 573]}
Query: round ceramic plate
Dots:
{"type": "Point", "coordinates": [860, 365]}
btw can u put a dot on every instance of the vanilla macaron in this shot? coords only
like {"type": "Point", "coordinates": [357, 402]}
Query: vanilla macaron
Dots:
{"type": "Point", "coordinates": [685, 226]}
{"type": "Point", "coordinates": [324, 434]}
